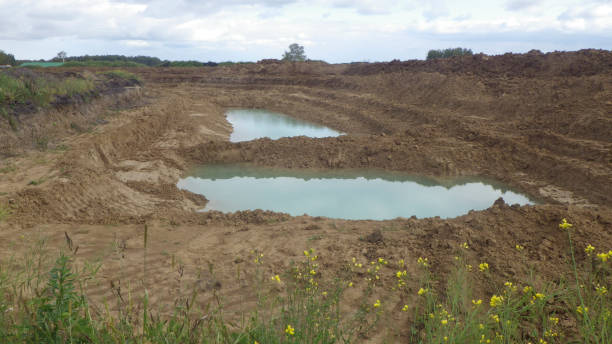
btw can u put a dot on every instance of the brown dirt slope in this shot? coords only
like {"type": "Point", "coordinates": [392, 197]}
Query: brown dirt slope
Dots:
{"type": "Point", "coordinates": [541, 123]}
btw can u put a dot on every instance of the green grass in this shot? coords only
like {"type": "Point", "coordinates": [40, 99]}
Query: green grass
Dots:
{"type": "Point", "coordinates": [40, 91]}
{"type": "Point", "coordinates": [102, 64]}
{"type": "Point", "coordinates": [121, 74]}
{"type": "Point", "coordinates": [41, 64]}
{"type": "Point", "coordinates": [42, 302]}
{"type": "Point", "coordinates": [4, 212]}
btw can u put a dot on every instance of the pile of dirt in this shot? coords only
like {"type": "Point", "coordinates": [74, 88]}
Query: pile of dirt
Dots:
{"type": "Point", "coordinates": [537, 122]}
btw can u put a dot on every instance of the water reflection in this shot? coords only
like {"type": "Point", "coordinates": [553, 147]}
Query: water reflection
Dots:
{"type": "Point", "coordinates": [347, 194]}
{"type": "Point", "coordinates": [250, 124]}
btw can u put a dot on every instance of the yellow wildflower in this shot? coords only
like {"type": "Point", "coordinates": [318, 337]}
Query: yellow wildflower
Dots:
{"type": "Point", "coordinates": [495, 317]}
{"type": "Point", "coordinates": [444, 321]}
{"type": "Point", "coordinates": [603, 256]}
{"type": "Point", "coordinates": [445, 338]}
{"type": "Point", "coordinates": [477, 303]}
{"type": "Point", "coordinates": [483, 267]}
{"type": "Point", "coordinates": [465, 245]}
{"type": "Point", "coordinates": [496, 300]}
{"type": "Point", "coordinates": [554, 320]}
{"type": "Point", "coordinates": [350, 284]}
{"type": "Point", "coordinates": [405, 308]}
{"type": "Point", "coordinates": [401, 263]}
{"type": "Point", "coordinates": [589, 249]}
{"type": "Point", "coordinates": [527, 290]}
{"type": "Point", "coordinates": [582, 310]}
{"type": "Point", "coordinates": [601, 290]}
{"type": "Point", "coordinates": [468, 267]}
{"type": "Point", "coordinates": [539, 296]}
{"type": "Point", "coordinates": [519, 247]}
{"type": "Point", "coordinates": [422, 291]}
{"type": "Point", "coordinates": [290, 330]}
{"type": "Point", "coordinates": [312, 272]}
{"type": "Point", "coordinates": [423, 261]}
{"type": "Point", "coordinates": [377, 304]}
{"type": "Point", "coordinates": [481, 326]}
{"type": "Point", "coordinates": [306, 253]}
{"type": "Point", "coordinates": [564, 224]}
{"type": "Point", "coordinates": [276, 278]}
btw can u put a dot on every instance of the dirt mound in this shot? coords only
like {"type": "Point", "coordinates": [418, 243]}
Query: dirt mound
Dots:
{"type": "Point", "coordinates": [533, 64]}
{"type": "Point", "coordinates": [537, 122]}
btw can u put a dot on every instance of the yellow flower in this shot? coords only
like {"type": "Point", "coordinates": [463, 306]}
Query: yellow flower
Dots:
{"type": "Point", "coordinates": [306, 253]}
{"type": "Point", "coordinates": [477, 303]}
{"type": "Point", "coordinates": [444, 321]}
{"type": "Point", "coordinates": [542, 341]}
{"type": "Point", "coordinates": [468, 267]}
{"type": "Point", "coordinates": [589, 249]}
{"type": "Point", "coordinates": [405, 308]}
{"type": "Point", "coordinates": [290, 330]}
{"type": "Point", "coordinates": [256, 342]}
{"type": "Point", "coordinates": [276, 278]}
{"type": "Point", "coordinates": [496, 300]}
{"type": "Point", "coordinates": [312, 272]}
{"type": "Point", "coordinates": [603, 256]}
{"type": "Point", "coordinates": [539, 296]}
{"type": "Point", "coordinates": [519, 247]}
{"type": "Point", "coordinates": [564, 224]}
{"type": "Point", "coordinates": [422, 291]}
{"type": "Point", "coordinates": [495, 317]}
{"type": "Point", "coordinates": [601, 290]}
{"type": "Point", "coordinates": [481, 326]}
{"type": "Point", "coordinates": [581, 310]}
{"type": "Point", "coordinates": [350, 284]}
{"type": "Point", "coordinates": [464, 245]}
{"type": "Point", "coordinates": [401, 263]}
{"type": "Point", "coordinates": [483, 267]}
{"type": "Point", "coordinates": [423, 261]}
{"type": "Point", "coordinates": [445, 338]}
{"type": "Point", "coordinates": [554, 320]}
{"type": "Point", "coordinates": [377, 304]}
{"type": "Point", "coordinates": [527, 289]}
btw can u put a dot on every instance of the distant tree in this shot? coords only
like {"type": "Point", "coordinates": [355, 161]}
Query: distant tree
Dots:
{"type": "Point", "coordinates": [62, 56]}
{"type": "Point", "coordinates": [450, 52]}
{"type": "Point", "coordinates": [7, 59]}
{"type": "Point", "coordinates": [295, 53]}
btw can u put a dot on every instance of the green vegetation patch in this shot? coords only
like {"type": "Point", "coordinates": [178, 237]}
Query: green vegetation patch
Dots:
{"type": "Point", "coordinates": [41, 64]}
{"type": "Point", "coordinates": [102, 64]}
{"type": "Point", "coordinates": [121, 74]}
{"type": "Point", "coordinates": [449, 52]}
{"type": "Point", "coordinates": [40, 90]}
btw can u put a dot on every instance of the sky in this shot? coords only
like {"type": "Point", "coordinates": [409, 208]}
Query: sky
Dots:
{"type": "Point", "coordinates": [331, 30]}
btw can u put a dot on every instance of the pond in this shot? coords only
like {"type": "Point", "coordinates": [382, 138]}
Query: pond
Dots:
{"type": "Point", "coordinates": [344, 194]}
{"type": "Point", "coordinates": [250, 124]}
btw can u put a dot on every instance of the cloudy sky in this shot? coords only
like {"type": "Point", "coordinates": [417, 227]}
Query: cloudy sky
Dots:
{"type": "Point", "coordinates": [330, 30]}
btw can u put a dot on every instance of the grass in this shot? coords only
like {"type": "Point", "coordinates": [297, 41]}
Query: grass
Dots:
{"type": "Point", "coordinates": [102, 64]}
{"type": "Point", "coordinates": [299, 305]}
{"type": "Point", "coordinates": [121, 74]}
{"type": "Point", "coordinates": [40, 91]}
{"type": "Point", "coordinates": [4, 212]}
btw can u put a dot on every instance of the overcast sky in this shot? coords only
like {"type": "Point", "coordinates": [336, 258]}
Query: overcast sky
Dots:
{"type": "Point", "coordinates": [330, 30]}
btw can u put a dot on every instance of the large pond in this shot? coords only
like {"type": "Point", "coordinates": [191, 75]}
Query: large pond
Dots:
{"type": "Point", "coordinates": [345, 194]}
{"type": "Point", "coordinates": [252, 124]}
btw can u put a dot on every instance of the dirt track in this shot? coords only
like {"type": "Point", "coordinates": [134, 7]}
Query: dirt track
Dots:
{"type": "Point", "coordinates": [540, 123]}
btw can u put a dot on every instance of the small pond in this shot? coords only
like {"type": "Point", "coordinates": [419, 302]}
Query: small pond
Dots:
{"type": "Point", "coordinates": [252, 124]}
{"type": "Point", "coordinates": [345, 194]}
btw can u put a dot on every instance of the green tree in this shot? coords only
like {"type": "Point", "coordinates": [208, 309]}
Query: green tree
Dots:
{"type": "Point", "coordinates": [449, 52]}
{"type": "Point", "coordinates": [295, 53]}
{"type": "Point", "coordinates": [7, 59]}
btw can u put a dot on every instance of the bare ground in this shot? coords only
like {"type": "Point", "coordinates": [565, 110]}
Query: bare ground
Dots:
{"type": "Point", "coordinates": [540, 123]}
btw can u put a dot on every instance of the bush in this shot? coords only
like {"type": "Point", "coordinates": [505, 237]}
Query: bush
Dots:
{"type": "Point", "coordinates": [449, 52]}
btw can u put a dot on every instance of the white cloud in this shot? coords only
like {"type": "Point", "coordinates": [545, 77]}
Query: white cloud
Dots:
{"type": "Point", "coordinates": [250, 30]}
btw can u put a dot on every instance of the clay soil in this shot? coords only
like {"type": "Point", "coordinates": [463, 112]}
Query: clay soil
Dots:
{"type": "Point", "coordinates": [540, 123]}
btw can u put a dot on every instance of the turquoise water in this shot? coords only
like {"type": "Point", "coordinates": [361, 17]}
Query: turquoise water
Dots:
{"type": "Point", "coordinates": [345, 194]}
{"type": "Point", "coordinates": [252, 124]}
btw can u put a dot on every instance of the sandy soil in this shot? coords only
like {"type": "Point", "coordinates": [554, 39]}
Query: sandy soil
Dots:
{"type": "Point", "coordinates": [539, 123]}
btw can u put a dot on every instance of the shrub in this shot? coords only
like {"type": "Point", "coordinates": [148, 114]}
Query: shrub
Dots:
{"type": "Point", "coordinates": [449, 52]}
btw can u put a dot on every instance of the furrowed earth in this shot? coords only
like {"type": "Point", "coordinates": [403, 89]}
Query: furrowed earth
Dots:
{"type": "Point", "coordinates": [540, 123]}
